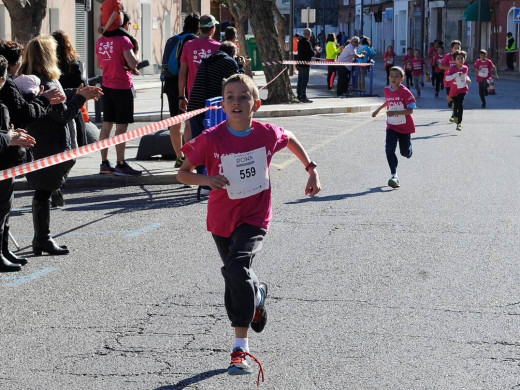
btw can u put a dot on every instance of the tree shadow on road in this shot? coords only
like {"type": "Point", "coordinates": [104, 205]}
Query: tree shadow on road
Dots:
{"type": "Point", "coordinates": [328, 198]}
{"type": "Point", "coordinates": [193, 380]}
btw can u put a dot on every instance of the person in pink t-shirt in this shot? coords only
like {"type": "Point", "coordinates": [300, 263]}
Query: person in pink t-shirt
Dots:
{"type": "Point", "coordinates": [237, 154]}
{"type": "Point", "coordinates": [407, 67]}
{"type": "Point", "coordinates": [113, 53]}
{"type": "Point", "coordinates": [399, 104]}
{"type": "Point", "coordinates": [446, 63]}
{"type": "Point", "coordinates": [389, 60]}
{"type": "Point", "coordinates": [438, 73]}
{"type": "Point", "coordinates": [483, 67]}
{"type": "Point", "coordinates": [418, 68]}
{"type": "Point", "coordinates": [458, 76]}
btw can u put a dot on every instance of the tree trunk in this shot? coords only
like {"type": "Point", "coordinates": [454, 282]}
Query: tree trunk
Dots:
{"type": "Point", "coordinates": [261, 17]}
{"type": "Point", "coordinates": [26, 18]}
{"type": "Point", "coordinates": [280, 27]}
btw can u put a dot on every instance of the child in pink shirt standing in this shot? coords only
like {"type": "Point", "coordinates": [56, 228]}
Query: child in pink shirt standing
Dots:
{"type": "Point", "coordinates": [457, 75]}
{"type": "Point", "coordinates": [389, 59]}
{"type": "Point", "coordinates": [237, 154]}
{"type": "Point", "coordinates": [399, 103]}
{"type": "Point", "coordinates": [418, 68]}
{"type": "Point", "coordinates": [483, 66]}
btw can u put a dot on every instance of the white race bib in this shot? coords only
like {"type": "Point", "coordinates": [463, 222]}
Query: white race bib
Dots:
{"type": "Point", "coordinates": [483, 72]}
{"type": "Point", "coordinates": [460, 81]}
{"type": "Point", "coordinates": [399, 119]}
{"type": "Point", "coordinates": [390, 60]}
{"type": "Point", "coordinates": [247, 173]}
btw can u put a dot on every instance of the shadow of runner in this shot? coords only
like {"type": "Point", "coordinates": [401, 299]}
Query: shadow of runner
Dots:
{"type": "Point", "coordinates": [193, 380]}
{"type": "Point", "coordinates": [328, 198]}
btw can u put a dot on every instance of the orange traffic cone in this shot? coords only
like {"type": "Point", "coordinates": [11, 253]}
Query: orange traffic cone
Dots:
{"type": "Point", "coordinates": [491, 87]}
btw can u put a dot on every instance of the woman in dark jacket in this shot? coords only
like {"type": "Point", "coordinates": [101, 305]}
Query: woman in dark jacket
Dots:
{"type": "Point", "coordinates": [71, 77]}
{"type": "Point", "coordinates": [21, 113]}
{"type": "Point", "coordinates": [54, 133]}
{"type": "Point", "coordinates": [9, 139]}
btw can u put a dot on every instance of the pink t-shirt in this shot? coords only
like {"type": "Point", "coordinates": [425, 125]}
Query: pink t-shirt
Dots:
{"type": "Point", "coordinates": [417, 65]}
{"type": "Point", "coordinates": [432, 52]}
{"type": "Point", "coordinates": [436, 61]}
{"type": "Point", "coordinates": [192, 54]}
{"type": "Point", "coordinates": [225, 214]}
{"type": "Point", "coordinates": [389, 59]}
{"type": "Point", "coordinates": [406, 62]}
{"type": "Point", "coordinates": [484, 69]}
{"type": "Point", "coordinates": [447, 60]}
{"type": "Point", "coordinates": [457, 86]}
{"type": "Point", "coordinates": [399, 100]}
{"type": "Point", "coordinates": [107, 9]}
{"type": "Point", "coordinates": [111, 58]}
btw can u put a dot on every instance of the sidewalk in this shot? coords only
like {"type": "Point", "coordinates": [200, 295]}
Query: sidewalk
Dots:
{"type": "Point", "coordinates": [148, 109]}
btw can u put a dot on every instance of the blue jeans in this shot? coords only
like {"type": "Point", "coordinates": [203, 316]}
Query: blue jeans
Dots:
{"type": "Point", "coordinates": [303, 80]}
{"type": "Point", "coordinates": [405, 147]}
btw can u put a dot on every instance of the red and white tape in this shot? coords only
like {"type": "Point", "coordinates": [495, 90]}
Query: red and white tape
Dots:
{"type": "Point", "coordinates": [321, 63]}
{"type": "Point", "coordinates": [97, 146]}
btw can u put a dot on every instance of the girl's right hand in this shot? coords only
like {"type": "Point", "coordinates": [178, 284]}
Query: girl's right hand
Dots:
{"type": "Point", "coordinates": [217, 182]}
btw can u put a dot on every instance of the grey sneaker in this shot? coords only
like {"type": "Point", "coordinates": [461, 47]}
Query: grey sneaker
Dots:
{"type": "Point", "coordinates": [126, 170]}
{"type": "Point", "coordinates": [106, 169]}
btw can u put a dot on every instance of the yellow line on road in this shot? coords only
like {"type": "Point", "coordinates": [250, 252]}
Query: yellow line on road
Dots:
{"type": "Point", "coordinates": [293, 158]}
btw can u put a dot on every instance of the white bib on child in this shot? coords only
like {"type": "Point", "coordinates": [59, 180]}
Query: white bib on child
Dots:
{"type": "Point", "coordinates": [399, 119]}
{"type": "Point", "coordinates": [460, 81]}
{"type": "Point", "coordinates": [246, 172]}
{"type": "Point", "coordinates": [483, 72]}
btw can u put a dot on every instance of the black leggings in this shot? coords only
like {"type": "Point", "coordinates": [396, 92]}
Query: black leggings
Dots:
{"type": "Point", "coordinates": [458, 106]}
{"type": "Point", "coordinates": [42, 195]}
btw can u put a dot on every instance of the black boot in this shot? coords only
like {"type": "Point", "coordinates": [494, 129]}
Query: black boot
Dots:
{"type": "Point", "coordinates": [42, 241]}
{"type": "Point", "coordinates": [5, 248]}
{"type": "Point", "coordinates": [7, 266]}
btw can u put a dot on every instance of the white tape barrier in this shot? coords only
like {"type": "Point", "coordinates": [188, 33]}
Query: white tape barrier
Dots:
{"type": "Point", "coordinates": [97, 146]}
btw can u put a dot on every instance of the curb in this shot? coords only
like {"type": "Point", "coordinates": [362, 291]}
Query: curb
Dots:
{"type": "Point", "coordinates": [102, 181]}
{"type": "Point", "coordinates": [274, 112]}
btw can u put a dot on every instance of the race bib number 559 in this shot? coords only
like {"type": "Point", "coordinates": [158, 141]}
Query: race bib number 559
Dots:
{"type": "Point", "coordinates": [247, 173]}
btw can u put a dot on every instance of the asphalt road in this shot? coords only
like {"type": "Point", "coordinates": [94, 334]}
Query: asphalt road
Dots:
{"type": "Point", "coordinates": [370, 288]}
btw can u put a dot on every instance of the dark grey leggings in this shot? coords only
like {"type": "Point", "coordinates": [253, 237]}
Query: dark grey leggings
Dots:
{"type": "Point", "coordinates": [241, 283]}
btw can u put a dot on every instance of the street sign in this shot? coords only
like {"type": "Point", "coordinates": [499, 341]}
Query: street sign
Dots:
{"type": "Point", "coordinates": [516, 16]}
{"type": "Point", "coordinates": [308, 15]}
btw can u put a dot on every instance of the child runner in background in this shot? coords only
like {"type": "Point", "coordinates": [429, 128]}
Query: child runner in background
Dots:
{"type": "Point", "coordinates": [408, 67]}
{"type": "Point", "coordinates": [418, 68]}
{"type": "Point", "coordinates": [399, 104]}
{"type": "Point", "coordinates": [483, 67]}
{"type": "Point", "coordinates": [239, 206]}
{"type": "Point", "coordinates": [458, 76]}
{"type": "Point", "coordinates": [389, 60]}
{"type": "Point", "coordinates": [438, 73]}
{"type": "Point", "coordinates": [446, 63]}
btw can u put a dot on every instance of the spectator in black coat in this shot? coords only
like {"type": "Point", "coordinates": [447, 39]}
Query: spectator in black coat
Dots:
{"type": "Point", "coordinates": [9, 138]}
{"type": "Point", "coordinates": [305, 53]}
{"type": "Point", "coordinates": [54, 134]}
